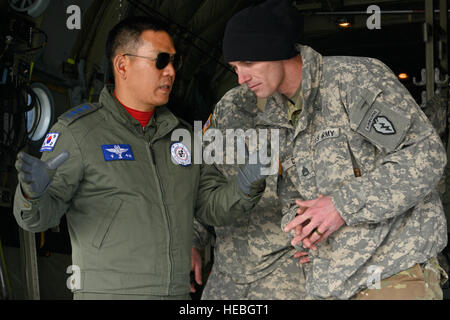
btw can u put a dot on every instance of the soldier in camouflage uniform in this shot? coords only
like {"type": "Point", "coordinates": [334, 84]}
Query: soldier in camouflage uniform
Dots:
{"type": "Point", "coordinates": [436, 109]}
{"type": "Point", "coordinates": [358, 155]}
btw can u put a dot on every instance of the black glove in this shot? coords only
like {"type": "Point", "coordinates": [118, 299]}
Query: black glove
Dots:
{"type": "Point", "coordinates": [251, 179]}
{"type": "Point", "coordinates": [35, 175]}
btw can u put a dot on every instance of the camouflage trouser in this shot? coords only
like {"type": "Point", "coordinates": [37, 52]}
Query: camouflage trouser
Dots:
{"type": "Point", "coordinates": [416, 283]}
{"type": "Point", "coordinates": [287, 282]}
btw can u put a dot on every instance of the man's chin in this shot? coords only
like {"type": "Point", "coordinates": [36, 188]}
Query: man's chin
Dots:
{"type": "Point", "coordinates": [162, 102]}
{"type": "Point", "coordinates": [262, 95]}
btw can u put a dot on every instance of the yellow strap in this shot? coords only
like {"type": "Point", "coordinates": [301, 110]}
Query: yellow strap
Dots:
{"type": "Point", "coordinates": [41, 245]}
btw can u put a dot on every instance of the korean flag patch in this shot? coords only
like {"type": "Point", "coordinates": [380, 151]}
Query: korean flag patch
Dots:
{"type": "Point", "coordinates": [180, 154]}
{"type": "Point", "coordinates": [49, 142]}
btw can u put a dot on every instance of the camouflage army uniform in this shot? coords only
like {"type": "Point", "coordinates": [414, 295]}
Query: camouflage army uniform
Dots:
{"type": "Point", "coordinates": [253, 257]}
{"type": "Point", "coordinates": [362, 140]}
{"type": "Point", "coordinates": [436, 110]}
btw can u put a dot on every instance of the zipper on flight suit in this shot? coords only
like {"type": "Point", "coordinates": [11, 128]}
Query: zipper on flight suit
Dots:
{"type": "Point", "coordinates": [152, 154]}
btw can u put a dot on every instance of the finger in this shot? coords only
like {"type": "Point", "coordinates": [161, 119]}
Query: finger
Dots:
{"type": "Point", "coordinates": [19, 165]}
{"type": "Point", "coordinates": [296, 240]}
{"type": "Point", "coordinates": [301, 210]}
{"type": "Point", "coordinates": [300, 254]}
{"type": "Point", "coordinates": [325, 236]}
{"type": "Point", "coordinates": [24, 167]}
{"type": "Point", "coordinates": [298, 220]}
{"type": "Point", "coordinates": [26, 158]}
{"type": "Point", "coordinates": [304, 260]}
{"type": "Point", "coordinates": [298, 230]}
{"type": "Point", "coordinates": [308, 230]}
{"type": "Point", "coordinates": [311, 211]}
{"type": "Point", "coordinates": [307, 203]}
{"type": "Point", "coordinates": [192, 288]}
{"type": "Point", "coordinates": [25, 178]}
{"type": "Point", "coordinates": [198, 273]}
{"type": "Point", "coordinates": [314, 237]}
{"type": "Point", "coordinates": [58, 160]}
{"type": "Point", "coordinates": [306, 243]}
{"type": "Point", "coordinates": [318, 233]}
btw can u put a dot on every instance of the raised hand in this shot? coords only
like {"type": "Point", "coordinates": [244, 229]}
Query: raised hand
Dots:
{"type": "Point", "coordinates": [35, 175]}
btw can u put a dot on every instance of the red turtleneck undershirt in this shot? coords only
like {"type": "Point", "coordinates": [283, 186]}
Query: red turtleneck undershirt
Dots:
{"type": "Point", "coordinates": [142, 116]}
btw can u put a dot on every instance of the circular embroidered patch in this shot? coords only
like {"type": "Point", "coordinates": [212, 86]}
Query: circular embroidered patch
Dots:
{"type": "Point", "coordinates": [180, 154]}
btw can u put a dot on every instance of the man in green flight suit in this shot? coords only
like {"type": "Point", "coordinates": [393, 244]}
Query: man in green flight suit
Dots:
{"type": "Point", "coordinates": [129, 187]}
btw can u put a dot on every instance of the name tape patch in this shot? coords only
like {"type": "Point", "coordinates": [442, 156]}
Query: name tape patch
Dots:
{"type": "Point", "coordinates": [49, 142]}
{"type": "Point", "coordinates": [112, 152]}
{"type": "Point", "coordinates": [326, 134]}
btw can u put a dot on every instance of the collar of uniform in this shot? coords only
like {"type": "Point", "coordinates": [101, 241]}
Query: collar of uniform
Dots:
{"type": "Point", "coordinates": [165, 122]}
{"type": "Point", "coordinates": [163, 119]}
{"type": "Point", "coordinates": [111, 104]}
{"type": "Point", "coordinates": [311, 74]}
{"type": "Point", "coordinates": [275, 113]}
{"type": "Point", "coordinates": [294, 104]}
{"type": "Point", "coordinates": [311, 77]}
{"type": "Point", "coordinates": [295, 98]}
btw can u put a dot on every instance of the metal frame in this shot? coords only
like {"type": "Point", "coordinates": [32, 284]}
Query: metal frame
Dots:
{"type": "Point", "coordinates": [429, 47]}
{"type": "Point", "coordinates": [29, 264]}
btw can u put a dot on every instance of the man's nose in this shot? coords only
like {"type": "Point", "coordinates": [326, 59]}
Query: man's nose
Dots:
{"type": "Point", "coordinates": [243, 77]}
{"type": "Point", "coordinates": [169, 70]}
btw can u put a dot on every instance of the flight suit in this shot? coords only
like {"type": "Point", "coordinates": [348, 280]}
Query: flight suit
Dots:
{"type": "Point", "coordinates": [129, 204]}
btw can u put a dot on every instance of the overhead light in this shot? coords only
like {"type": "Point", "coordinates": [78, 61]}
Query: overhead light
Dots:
{"type": "Point", "coordinates": [403, 76]}
{"type": "Point", "coordinates": [344, 23]}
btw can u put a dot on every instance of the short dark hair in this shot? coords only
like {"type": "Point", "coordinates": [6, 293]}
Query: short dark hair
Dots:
{"type": "Point", "coordinates": [126, 34]}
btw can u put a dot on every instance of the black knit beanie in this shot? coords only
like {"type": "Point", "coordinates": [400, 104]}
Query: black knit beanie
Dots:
{"type": "Point", "coordinates": [266, 32]}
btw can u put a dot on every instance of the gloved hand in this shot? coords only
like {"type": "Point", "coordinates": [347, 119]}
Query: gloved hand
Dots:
{"type": "Point", "coordinates": [251, 178]}
{"type": "Point", "coordinates": [35, 175]}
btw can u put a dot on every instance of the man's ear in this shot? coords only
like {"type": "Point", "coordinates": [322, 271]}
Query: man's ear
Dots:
{"type": "Point", "coordinates": [120, 64]}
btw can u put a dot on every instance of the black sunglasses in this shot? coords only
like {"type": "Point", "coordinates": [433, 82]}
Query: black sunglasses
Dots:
{"type": "Point", "coordinates": [163, 59]}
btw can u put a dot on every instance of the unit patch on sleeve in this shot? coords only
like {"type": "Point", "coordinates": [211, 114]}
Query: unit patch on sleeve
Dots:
{"type": "Point", "coordinates": [383, 125]}
{"type": "Point", "coordinates": [49, 142]}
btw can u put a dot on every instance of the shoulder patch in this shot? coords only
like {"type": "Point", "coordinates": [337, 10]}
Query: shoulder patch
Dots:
{"type": "Point", "coordinates": [78, 112]}
{"type": "Point", "coordinates": [49, 141]}
{"type": "Point", "coordinates": [207, 124]}
{"type": "Point", "coordinates": [382, 126]}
